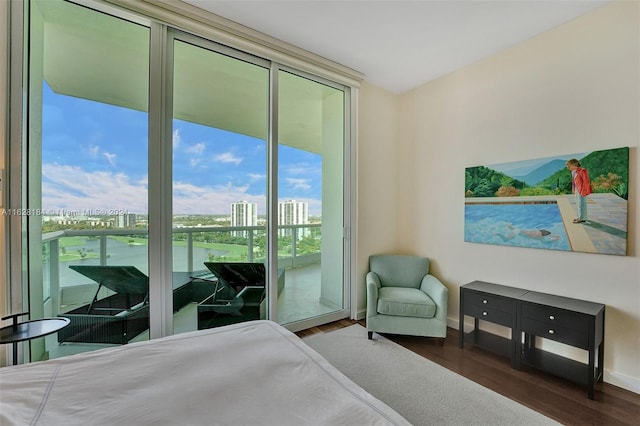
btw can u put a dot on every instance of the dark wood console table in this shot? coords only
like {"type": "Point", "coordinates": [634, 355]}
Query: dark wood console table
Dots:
{"type": "Point", "coordinates": [496, 304]}
{"type": "Point", "coordinates": [574, 322]}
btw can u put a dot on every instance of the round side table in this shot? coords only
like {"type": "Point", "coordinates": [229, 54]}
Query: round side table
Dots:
{"type": "Point", "coordinates": [19, 332]}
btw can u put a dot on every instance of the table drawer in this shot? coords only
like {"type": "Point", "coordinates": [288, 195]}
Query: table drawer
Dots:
{"type": "Point", "coordinates": [488, 301]}
{"type": "Point", "coordinates": [556, 332]}
{"type": "Point", "coordinates": [556, 317]}
{"type": "Point", "coordinates": [488, 314]}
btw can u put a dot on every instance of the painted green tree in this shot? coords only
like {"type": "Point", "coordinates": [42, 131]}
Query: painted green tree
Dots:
{"type": "Point", "coordinates": [608, 170]}
{"type": "Point", "coordinates": [483, 181]}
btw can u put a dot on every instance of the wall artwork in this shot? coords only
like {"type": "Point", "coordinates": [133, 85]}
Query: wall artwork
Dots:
{"type": "Point", "coordinates": [533, 203]}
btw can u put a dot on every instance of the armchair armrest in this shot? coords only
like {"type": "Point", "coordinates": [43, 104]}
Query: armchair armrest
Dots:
{"type": "Point", "coordinates": [373, 284]}
{"type": "Point", "coordinates": [438, 293]}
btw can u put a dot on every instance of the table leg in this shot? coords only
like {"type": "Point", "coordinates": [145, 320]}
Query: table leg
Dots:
{"type": "Point", "coordinates": [14, 323]}
{"type": "Point", "coordinates": [591, 371]}
{"type": "Point", "coordinates": [461, 322]}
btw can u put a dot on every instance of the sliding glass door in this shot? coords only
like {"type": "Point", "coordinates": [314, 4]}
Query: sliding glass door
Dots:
{"type": "Point", "coordinates": [221, 210]}
{"type": "Point", "coordinates": [204, 190]}
{"type": "Point", "coordinates": [310, 198]}
{"type": "Point", "coordinates": [220, 132]}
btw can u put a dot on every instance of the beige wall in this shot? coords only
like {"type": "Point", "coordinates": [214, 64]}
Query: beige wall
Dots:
{"type": "Point", "coordinates": [377, 164]}
{"type": "Point", "coordinates": [572, 89]}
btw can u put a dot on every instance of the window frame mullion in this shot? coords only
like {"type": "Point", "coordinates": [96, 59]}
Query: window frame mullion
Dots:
{"type": "Point", "coordinates": [160, 182]}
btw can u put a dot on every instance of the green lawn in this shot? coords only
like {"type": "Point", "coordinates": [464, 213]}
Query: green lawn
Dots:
{"type": "Point", "coordinates": [72, 256]}
{"type": "Point", "coordinates": [232, 252]}
{"type": "Point", "coordinates": [68, 255]}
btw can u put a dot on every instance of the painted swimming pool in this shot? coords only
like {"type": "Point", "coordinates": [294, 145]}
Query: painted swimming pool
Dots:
{"type": "Point", "coordinates": [521, 225]}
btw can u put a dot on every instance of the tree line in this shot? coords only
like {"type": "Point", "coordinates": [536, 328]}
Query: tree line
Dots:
{"type": "Point", "coordinates": [608, 170]}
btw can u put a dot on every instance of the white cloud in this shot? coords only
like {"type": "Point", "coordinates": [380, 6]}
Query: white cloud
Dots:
{"type": "Point", "coordinates": [192, 199]}
{"type": "Point", "coordinates": [298, 184]}
{"type": "Point", "coordinates": [305, 169]}
{"type": "Point", "coordinates": [196, 149]}
{"type": "Point", "coordinates": [73, 188]}
{"type": "Point", "coordinates": [111, 158]}
{"type": "Point", "coordinates": [176, 138]}
{"type": "Point", "coordinates": [256, 177]}
{"type": "Point", "coordinates": [228, 157]}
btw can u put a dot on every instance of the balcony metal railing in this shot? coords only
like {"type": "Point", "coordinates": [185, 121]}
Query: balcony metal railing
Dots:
{"type": "Point", "coordinates": [255, 250]}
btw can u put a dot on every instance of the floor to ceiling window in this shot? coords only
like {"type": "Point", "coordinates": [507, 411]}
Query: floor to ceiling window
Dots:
{"type": "Point", "coordinates": [250, 237]}
{"type": "Point", "coordinates": [88, 174]}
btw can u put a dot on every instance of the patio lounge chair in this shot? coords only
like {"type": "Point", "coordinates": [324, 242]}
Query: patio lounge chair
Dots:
{"type": "Point", "coordinates": [116, 318]}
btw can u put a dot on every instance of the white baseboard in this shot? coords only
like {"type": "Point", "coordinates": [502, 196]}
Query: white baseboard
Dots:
{"type": "Point", "coordinates": [623, 381]}
{"type": "Point", "coordinates": [453, 323]}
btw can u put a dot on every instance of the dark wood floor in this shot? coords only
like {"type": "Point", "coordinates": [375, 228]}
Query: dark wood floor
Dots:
{"type": "Point", "coordinates": [563, 401]}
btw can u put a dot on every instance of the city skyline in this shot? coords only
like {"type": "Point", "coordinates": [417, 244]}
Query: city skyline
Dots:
{"type": "Point", "coordinates": [242, 214]}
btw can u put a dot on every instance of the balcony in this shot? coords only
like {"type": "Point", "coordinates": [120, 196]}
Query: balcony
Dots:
{"type": "Point", "coordinates": [65, 289]}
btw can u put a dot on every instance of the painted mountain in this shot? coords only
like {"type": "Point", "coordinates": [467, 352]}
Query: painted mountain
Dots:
{"type": "Point", "coordinates": [541, 173]}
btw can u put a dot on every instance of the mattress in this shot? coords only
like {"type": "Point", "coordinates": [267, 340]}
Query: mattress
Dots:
{"type": "Point", "coordinates": [252, 373]}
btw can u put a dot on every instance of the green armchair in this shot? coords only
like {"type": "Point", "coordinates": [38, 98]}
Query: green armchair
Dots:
{"type": "Point", "coordinates": [403, 298]}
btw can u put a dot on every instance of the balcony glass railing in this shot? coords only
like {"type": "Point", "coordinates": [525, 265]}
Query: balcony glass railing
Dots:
{"type": "Point", "coordinates": [299, 245]}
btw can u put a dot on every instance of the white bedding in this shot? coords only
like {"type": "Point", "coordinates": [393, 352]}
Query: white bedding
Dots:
{"type": "Point", "coordinates": [253, 373]}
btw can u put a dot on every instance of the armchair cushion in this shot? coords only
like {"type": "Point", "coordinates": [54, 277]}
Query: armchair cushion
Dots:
{"type": "Point", "coordinates": [399, 270]}
{"type": "Point", "coordinates": [405, 302]}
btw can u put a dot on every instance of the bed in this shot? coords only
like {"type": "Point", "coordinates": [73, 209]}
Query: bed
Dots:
{"type": "Point", "coordinates": [252, 373]}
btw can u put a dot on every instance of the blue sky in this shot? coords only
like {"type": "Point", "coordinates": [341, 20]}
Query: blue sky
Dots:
{"type": "Point", "coordinates": [95, 156]}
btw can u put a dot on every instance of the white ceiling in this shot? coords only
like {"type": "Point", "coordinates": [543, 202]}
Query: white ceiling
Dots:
{"type": "Point", "coordinates": [400, 44]}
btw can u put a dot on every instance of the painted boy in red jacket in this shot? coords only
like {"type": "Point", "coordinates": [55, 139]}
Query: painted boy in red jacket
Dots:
{"type": "Point", "coordinates": [581, 188]}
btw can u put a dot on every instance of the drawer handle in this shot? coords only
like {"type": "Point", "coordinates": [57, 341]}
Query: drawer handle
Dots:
{"type": "Point", "coordinates": [484, 313]}
{"type": "Point", "coordinates": [551, 317]}
{"type": "Point", "coordinates": [551, 331]}
{"type": "Point", "coordinates": [484, 301]}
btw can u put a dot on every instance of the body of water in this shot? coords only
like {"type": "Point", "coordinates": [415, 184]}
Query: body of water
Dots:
{"type": "Point", "coordinates": [521, 225]}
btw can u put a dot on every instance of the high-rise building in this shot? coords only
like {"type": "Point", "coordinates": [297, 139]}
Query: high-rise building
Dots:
{"type": "Point", "coordinates": [292, 212]}
{"type": "Point", "coordinates": [243, 213]}
{"type": "Point", "coordinates": [125, 220]}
